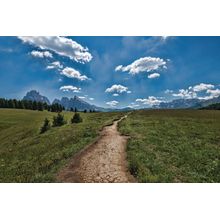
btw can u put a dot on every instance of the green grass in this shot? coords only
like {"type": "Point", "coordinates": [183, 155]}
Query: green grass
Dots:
{"type": "Point", "coordinates": [27, 156]}
{"type": "Point", "coordinates": [173, 145]}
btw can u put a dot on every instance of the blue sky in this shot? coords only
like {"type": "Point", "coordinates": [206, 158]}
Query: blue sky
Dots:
{"type": "Point", "coordinates": [111, 71]}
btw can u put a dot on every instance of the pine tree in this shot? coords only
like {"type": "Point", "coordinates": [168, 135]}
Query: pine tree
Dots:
{"type": "Point", "coordinates": [76, 118]}
{"type": "Point", "coordinates": [11, 104]}
{"type": "Point", "coordinates": [58, 120]}
{"type": "Point", "coordinates": [45, 127]}
{"type": "Point", "coordinates": [40, 106]}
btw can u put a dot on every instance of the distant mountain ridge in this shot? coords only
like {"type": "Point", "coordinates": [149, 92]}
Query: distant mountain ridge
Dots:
{"type": "Point", "coordinates": [187, 103]}
{"type": "Point", "coordinates": [34, 95]}
{"type": "Point", "coordinates": [81, 105]}
{"type": "Point", "coordinates": [75, 102]}
{"type": "Point", "coordinates": [69, 103]}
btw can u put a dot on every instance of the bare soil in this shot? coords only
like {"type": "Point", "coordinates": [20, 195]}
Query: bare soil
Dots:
{"type": "Point", "coordinates": [102, 162]}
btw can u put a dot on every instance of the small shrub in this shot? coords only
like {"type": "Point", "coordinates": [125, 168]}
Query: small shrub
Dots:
{"type": "Point", "coordinates": [76, 118]}
{"type": "Point", "coordinates": [58, 120]}
{"type": "Point", "coordinates": [45, 127]}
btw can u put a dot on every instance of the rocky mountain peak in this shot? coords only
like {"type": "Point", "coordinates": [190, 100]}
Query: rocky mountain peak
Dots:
{"type": "Point", "coordinates": [34, 95]}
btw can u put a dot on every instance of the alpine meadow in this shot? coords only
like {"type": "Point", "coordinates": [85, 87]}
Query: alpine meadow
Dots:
{"type": "Point", "coordinates": [109, 109]}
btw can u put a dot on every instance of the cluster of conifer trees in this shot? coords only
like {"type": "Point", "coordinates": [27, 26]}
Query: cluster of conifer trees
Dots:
{"type": "Point", "coordinates": [31, 105]}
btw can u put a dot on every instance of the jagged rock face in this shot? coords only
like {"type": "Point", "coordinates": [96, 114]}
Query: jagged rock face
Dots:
{"type": "Point", "coordinates": [75, 102]}
{"type": "Point", "coordinates": [33, 95]}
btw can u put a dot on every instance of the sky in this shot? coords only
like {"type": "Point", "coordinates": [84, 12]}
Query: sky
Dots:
{"type": "Point", "coordinates": [111, 72]}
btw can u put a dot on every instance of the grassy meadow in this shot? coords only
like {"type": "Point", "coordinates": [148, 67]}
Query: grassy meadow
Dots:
{"type": "Point", "coordinates": [27, 156]}
{"type": "Point", "coordinates": [173, 145]}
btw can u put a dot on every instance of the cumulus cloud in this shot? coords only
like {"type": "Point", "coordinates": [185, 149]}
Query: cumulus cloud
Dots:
{"type": "Point", "coordinates": [168, 91]}
{"type": "Point", "coordinates": [129, 92]}
{"type": "Point", "coordinates": [117, 88]}
{"type": "Point", "coordinates": [60, 45]}
{"type": "Point", "coordinates": [202, 87]}
{"type": "Point", "coordinates": [118, 68]}
{"type": "Point", "coordinates": [112, 103]}
{"type": "Point", "coordinates": [185, 94]}
{"type": "Point", "coordinates": [72, 73]}
{"type": "Point", "coordinates": [41, 54]}
{"type": "Point", "coordinates": [153, 75]}
{"type": "Point", "coordinates": [214, 92]}
{"type": "Point", "coordinates": [144, 64]}
{"type": "Point", "coordinates": [115, 94]}
{"type": "Point", "coordinates": [82, 97]}
{"type": "Point", "coordinates": [55, 65]}
{"type": "Point", "coordinates": [196, 91]}
{"type": "Point", "coordinates": [91, 99]}
{"type": "Point", "coordinates": [133, 105]}
{"type": "Point", "coordinates": [70, 88]}
{"type": "Point", "coordinates": [151, 100]}
{"type": "Point", "coordinates": [164, 38]}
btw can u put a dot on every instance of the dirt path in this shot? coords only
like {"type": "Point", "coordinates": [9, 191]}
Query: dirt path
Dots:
{"type": "Point", "coordinates": [104, 161]}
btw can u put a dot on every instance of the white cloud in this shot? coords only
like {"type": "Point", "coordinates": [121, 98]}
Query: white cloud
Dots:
{"type": "Point", "coordinates": [72, 73]}
{"type": "Point", "coordinates": [168, 91]}
{"type": "Point", "coordinates": [164, 38]}
{"type": "Point", "coordinates": [151, 100]}
{"type": "Point", "coordinates": [129, 92]}
{"type": "Point", "coordinates": [144, 64]}
{"type": "Point", "coordinates": [91, 99]}
{"type": "Point", "coordinates": [118, 68]}
{"type": "Point", "coordinates": [193, 91]}
{"type": "Point", "coordinates": [70, 88]}
{"type": "Point", "coordinates": [133, 105]}
{"type": "Point", "coordinates": [60, 45]}
{"type": "Point", "coordinates": [153, 75]}
{"type": "Point", "coordinates": [55, 65]}
{"type": "Point", "coordinates": [112, 103]}
{"type": "Point", "coordinates": [185, 94]}
{"type": "Point", "coordinates": [82, 97]}
{"type": "Point", "coordinates": [214, 92]}
{"type": "Point", "coordinates": [202, 87]}
{"type": "Point", "coordinates": [41, 54]}
{"type": "Point", "coordinates": [205, 97]}
{"type": "Point", "coordinates": [117, 88]}
{"type": "Point", "coordinates": [115, 94]}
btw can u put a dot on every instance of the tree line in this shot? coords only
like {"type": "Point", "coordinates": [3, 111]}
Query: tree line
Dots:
{"type": "Point", "coordinates": [31, 105]}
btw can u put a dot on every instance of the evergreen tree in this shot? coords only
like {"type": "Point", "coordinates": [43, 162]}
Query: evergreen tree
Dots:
{"type": "Point", "coordinates": [40, 106]}
{"type": "Point", "coordinates": [76, 118]}
{"type": "Point", "coordinates": [11, 104]}
{"type": "Point", "coordinates": [34, 105]}
{"type": "Point", "coordinates": [85, 111]}
{"type": "Point", "coordinates": [58, 120]}
{"type": "Point", "coordinates": [45, 127]}
{"type": "Point", "coordinates": [15, 103]}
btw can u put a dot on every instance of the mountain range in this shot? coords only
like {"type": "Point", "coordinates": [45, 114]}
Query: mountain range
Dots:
{"type": "Point", "coordinates": [187, 103]}
{"type": "Point", "coordinates": [69, 103]}
{"type": "Point", "coordinates": [81, 105]}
